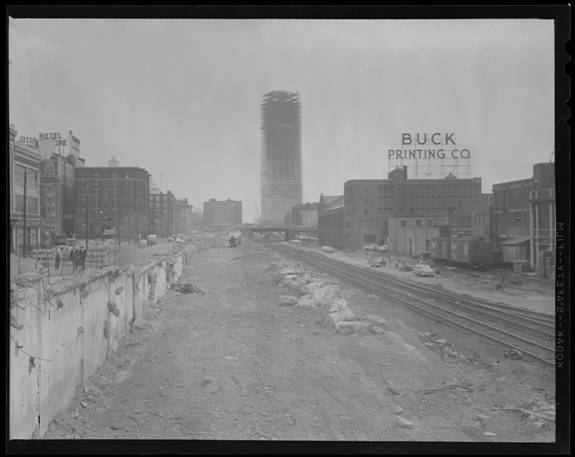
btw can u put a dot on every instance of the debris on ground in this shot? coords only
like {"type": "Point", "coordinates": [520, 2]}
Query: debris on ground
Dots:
{"type": "Point", "coordinates": [287, 300]}
{"type": "Point", "coordinates": [187, 288]}
{"type": "Point", "coordinates": [404, 423]}
{"type": "Point", "coordinates": [513, 354]}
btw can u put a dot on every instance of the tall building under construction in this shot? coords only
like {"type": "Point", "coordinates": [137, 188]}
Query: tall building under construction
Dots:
{"type": "Point", "coordinates": [281, 166]}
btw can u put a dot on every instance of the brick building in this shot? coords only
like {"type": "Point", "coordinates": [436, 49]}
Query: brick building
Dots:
{"type": "Point", "coordinates": [162, 213]}
{"type": "Point", "coordinates": [24, 163]}
{"type": "Point", "coordinates": [412, 235]}
{"type": "Point", "coordinates": [184, 216]}
{"type": "Point", "coordinates": [112, 202]}
{"type": "Point", "coordinates": [222, 213]}
{"type": "Point", "coordinates": [330, 221]}
{"type": "Point", "coordinates": [57, 197]}
{"type": "Point", "coordinates": [524, 217]}
{"type": "Point", "coordinates": [368, 204]}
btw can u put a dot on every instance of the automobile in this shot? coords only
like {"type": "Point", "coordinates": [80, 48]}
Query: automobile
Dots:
{"type": "Point", "coordinates": [404, 267]}
{"type": "Point", "coordinates": [422, 269]}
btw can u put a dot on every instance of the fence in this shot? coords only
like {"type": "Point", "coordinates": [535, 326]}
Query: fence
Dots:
{"type": "Point", "coordinates": [60, 335]}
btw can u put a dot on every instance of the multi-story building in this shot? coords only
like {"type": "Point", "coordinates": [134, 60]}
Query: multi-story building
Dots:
{"type": "Point", "coordinates": [55, 143]}
{"type": "Point", "coordinates": [330, 221]}
{"type": "Point", "coordinates": [184, 216]}
{"type": "Point", "coordinates": [222, 213]}
{"type": "Point", "coordinates": [24, 162]}
{"type": "Point", "coordinates": [476, 219]}
{"type": "Point", "coordinates": [369, 203]}
{"type": "Point", "coordinates": [162, 212]}
{"type": "Point", "coordinates": [196, 220]}
{"type": "Point", "coordinates": [111, 202]}
{"type": "Point", "coordinates": [524, 217]}
{"type": "Point", "coordinates": [304, 215]}
{"type": "Point", "coordinates": [281, 165]}
{"type": "Point", "coordinates": [57, 197]}
{"type": "Point", "coordinates": [412, 235]}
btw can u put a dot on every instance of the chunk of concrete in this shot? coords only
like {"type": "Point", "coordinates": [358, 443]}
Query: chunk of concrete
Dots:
{"type": "Point", "coordinates": [404, 423]}
{"type": "Point", "coordinates": [349, 327]}
{"type": "Point", "coordinates": [287, 300]}
{"type": "Point", "coordinates": [376, 321]}
{"type": "Point", "coordinates": [313, 286]}
{"type": "Point", "coordinates": [338, 305]}
{"type": "Point", "coordinates": [342, 315]}
{"type": "Point", "coordinates": [325, 295]}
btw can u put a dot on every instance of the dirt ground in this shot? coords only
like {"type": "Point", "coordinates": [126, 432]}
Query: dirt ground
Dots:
{"type": "Point", "coordinates": [232, 364]}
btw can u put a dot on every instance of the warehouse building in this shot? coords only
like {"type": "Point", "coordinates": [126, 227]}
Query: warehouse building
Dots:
{"type": "Point", "coordinates": [413, 235]}
{"type": "Point", "coordinates": [184, 216]}
{"type": "Point", "coordinates": [330, 221]}
{"type": "Point", "coordinates": [111, 202]}
{"type": "Point", "coordinates": [368, 204]}
{"type": "Point", "coordinates": [222, 213]}
{"type": "Point", "coordinates": [162, 212]}
{"type": "Point", "coordinates": [524, 219]}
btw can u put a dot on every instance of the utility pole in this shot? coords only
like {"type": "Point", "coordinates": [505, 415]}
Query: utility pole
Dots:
{"type": "Point", "coordinates": [87, 220]}
{"type": "Point", "coordinates": [25, 211]}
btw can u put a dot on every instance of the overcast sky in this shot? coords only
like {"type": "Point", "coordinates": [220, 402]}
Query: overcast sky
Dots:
{"type": "Point", "coordinates": [182, 98]}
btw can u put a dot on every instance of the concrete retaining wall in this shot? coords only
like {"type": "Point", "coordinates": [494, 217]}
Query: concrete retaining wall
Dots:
{"type": "Point", "coordinates": [60, 335]}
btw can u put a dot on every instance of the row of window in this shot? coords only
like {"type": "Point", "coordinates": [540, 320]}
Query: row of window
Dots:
{"type": "Point", "coordinates": [22, 173]}
{"type": "Point", "coordinates": [428, 187]}
{"type": "Point", "coordinates": [32, 204]}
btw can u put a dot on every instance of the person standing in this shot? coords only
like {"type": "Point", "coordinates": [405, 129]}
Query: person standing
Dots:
{"type": "Point", "coordinates": [57, 259]}
{"type": "Point", "coordinates": [74, 259]}
{"type": "Point", "coordinates": [83, 255]}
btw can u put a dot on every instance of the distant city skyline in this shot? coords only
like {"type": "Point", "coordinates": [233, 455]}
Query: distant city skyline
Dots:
{"type": "Point", "coordinates": [152, 94]}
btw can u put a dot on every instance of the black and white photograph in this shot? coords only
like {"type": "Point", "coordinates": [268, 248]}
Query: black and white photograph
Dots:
{"type": "Point", "coordinates": [287, 229]}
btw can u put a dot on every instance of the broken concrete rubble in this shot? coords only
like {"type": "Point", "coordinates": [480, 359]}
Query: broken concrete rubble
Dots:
{"type": "Point", "coordinates": [350, 327]}
{"type": "Point", "coordinates": [287, 300]}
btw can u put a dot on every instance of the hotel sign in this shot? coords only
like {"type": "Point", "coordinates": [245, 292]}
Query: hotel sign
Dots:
{"type": "Point", "coordinates": [57, 137]}
{"type": "Point", "coordinates": [31, 141]}
{"type": "Point", "coordinates": [428, 146]}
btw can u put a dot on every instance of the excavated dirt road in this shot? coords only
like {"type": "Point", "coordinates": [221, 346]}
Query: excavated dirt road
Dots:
{"type": "Point", "coordinates": [232, 364]}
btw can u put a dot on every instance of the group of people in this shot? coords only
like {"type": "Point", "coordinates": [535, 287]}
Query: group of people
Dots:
{"type": "Point", "coordinates": [77, 257]}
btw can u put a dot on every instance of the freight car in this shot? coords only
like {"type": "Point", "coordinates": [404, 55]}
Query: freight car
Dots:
{"type": "Point", "coordinates": [474, 252]}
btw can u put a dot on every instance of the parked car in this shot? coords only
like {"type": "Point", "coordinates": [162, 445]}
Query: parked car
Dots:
{"type": "Point", "coordinates": [422, 269]}
{"type": "Point", "coordinates": [405, 267]}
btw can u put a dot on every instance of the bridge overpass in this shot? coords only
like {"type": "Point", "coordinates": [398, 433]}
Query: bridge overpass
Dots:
{"type": "Point", "coordinates": [289, 232]}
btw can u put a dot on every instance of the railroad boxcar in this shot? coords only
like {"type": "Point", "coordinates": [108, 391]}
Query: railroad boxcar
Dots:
{"type": "Point", "coordinates": [480, 253]}
{"type": "Point", "coordinates": [440, 249]}
{"type": "Point", "coordinates": [470, 251]}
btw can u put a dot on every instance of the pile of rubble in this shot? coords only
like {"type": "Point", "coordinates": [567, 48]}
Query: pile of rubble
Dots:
{"type": "Point", "coordinates": [314, 292]}
{"type": "Point", "coordinates": [438, 344]}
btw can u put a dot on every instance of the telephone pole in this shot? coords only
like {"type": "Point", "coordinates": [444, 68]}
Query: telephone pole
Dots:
{"type": "Point", "coordinates": [25, 211]}
{"type": "Point", "coordinates": [87, 220]}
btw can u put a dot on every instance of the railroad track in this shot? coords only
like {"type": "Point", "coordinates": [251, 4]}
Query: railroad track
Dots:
{"type": "Point", "coordinates": [526, 331]}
